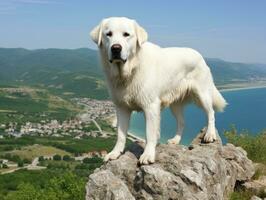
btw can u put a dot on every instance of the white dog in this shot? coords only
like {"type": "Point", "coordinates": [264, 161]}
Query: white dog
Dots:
{"type": "Point", "coordinates": [142, 76]}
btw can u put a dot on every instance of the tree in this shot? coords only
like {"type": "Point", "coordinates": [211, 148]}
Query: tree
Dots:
{"type": "Point", "coordinates": [15, 158]}
{"type": "Point", "coordinates": [92, 160]}
{"type": "Point", "coordinates": [4, 166]}
{"type": "Point", "coordinates": [66, 158]}
{"type": "Point", "coordinates": [41, 158]}
{"type": "Point", "coordinates": [25, 191]}
{"type": "Point", "coordinates": [66, 187]}
{"type": "Point", "coordinates": [20, 163]}
{"type": "Point", "coordinates": [57, 157]}
{"type": "Point", "coordinates": [25, 160]}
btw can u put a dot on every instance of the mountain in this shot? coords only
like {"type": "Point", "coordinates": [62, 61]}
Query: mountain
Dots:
{"type": "Point", "coordinates": [67, 72]}
{"type": "Point", "coordinates": [77, 72]}
{"type": "Point", "coordinates": [225, 72]}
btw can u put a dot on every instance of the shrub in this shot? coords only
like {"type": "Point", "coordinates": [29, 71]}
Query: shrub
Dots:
{"type": "Point", "coordinates": [57, 157]}
{"type": "Point", "coordinates": [92, 160]}
{"type": "Point", "coordinates": [4, 166]}
{"type": "Point", "coordinates": [20, 163]}
{"type": "Point", "coordinates": [41, 158]}
{"type": "Point", "coordinates": [57, 166]}
{"type": "Point", "coordinates": [66, 187]}
{"type": "Point", "coordinates": [66, 158]}
{"type": "Point", "coordinates": [8, 148]}
{"type": "Point", "coordinates": [25, 160]}
{"type": "Point", "coordinates": [255, 146]}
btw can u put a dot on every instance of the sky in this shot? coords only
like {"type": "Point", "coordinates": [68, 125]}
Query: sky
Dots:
{"type": "Point", "coordinates": [233, 30]}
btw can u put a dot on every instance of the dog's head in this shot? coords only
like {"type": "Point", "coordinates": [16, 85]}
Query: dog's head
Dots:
{"type": "Point", "coordinates": [119, 37]}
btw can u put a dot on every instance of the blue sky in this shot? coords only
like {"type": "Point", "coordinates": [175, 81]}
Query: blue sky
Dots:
{"type": "Point", "coordinates": [233, 30]}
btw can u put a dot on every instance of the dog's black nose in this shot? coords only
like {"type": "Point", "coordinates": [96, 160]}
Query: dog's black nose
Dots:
{"type": "Point", "coordinates": [116, 48]}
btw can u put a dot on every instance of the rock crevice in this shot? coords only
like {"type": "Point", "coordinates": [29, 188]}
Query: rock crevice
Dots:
{"type": "Point", "coordinates": [198, 172]}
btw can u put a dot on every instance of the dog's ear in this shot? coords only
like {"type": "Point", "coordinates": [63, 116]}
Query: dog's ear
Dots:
{"type": "Point", "coordinates": [142, 35]}
{"type": "Point", "coordinates": [96, 34]}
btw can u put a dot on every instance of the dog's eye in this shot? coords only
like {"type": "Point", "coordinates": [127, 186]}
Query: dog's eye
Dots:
{"type": "Point", "coordinates": [126, 34]}
{"type": "Point", "coordinates": [109, 34]}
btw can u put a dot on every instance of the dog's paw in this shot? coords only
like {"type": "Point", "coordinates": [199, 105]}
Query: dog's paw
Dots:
{"type": "Point", "coordinates": [209, 137]}
{"type": "Point", "coordinates": [174, 140]}
{"type": "Point", "coordinates": [147, 157]}
{"type": "Point", "coordinates": [112, 155]}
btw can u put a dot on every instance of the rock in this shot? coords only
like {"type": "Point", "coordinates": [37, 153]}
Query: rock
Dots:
{"type": "Point", "coordinates": [256, 185]}
{"type": "Point", "coordinates": [198, 172]}
{"type": "Point", "coordinates": [255, 198]}
{"type": "Point", "coordinates": [108, 187]}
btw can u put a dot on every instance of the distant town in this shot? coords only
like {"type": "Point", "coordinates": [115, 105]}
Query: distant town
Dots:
{"type": "Point", "coordinates": [77, 127]}
{"type": "Point", "coordinates": [87, 123]}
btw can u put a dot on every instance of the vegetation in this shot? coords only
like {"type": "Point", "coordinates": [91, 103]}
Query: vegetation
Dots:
{"type": "Point", "coordinates": [67, 73]}
{"type": "Point", "coordinates": [67, 158]}
{"type": "Point", "coordinates": [92, 160]}
{"type": "Point", "coordinates": [67, 143]}
{"type": "Point", "coordinates": [20, 163]}
{"type": "Point", "coordinates": [63, 177]}
{"type": "Point", "coordinates": [42, 185]}
{"type": "Point", "coordinates": [41, 158]}
{"type": "Point", "coordinates": [28, 104]}
{"type": "Point", "coordinates": [57, 157]}
{"type": "Point", "coordinates": [33, 151]}
{"type": "Point", "coordinates": [255, 146]}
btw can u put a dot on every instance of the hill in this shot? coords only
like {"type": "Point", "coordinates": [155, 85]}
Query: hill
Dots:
{"type": "Point", "coordinates": [225, 72]}
{"type": "Point", "coordinates": [78, 73]}
{"type": "Point", "coordinates": [24, 104]}
{"type": "Point", "coordinates": [65, 72]}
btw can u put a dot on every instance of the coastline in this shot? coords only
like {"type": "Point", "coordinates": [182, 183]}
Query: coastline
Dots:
{"type": "Point", "coordinates": [134, 138]}
{"type": "Point", "coordinates": [242, 88]}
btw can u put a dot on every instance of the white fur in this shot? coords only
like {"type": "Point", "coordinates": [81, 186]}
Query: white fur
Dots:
{"type": "Point", "coordinates": [151, 79]}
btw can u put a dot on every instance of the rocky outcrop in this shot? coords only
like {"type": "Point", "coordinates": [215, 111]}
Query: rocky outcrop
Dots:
{"type": "Point", "coordinates": [198, 172]}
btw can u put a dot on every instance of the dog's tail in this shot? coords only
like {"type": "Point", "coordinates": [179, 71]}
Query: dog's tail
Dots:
{"type": "Point", "coordinates": [219, 103]}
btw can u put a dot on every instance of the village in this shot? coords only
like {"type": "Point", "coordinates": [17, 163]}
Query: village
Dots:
{"type": "Point", "coordinates": [77, 127]}
{"type": "Point", "coordinates": [85, 124]}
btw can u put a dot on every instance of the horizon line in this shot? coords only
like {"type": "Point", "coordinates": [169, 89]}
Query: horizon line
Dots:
{"type": "Point", "coordinates": [96, 49]}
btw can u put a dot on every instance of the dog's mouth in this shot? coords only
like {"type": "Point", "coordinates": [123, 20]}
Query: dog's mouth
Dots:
{"type": "Point", "coordinates": [118, 60]}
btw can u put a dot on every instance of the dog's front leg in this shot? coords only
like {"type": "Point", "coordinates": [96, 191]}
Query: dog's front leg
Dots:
{"type": "Point", "coordinates": [152, 115]}
{"type": "Point", "coordinates": [123, 116]}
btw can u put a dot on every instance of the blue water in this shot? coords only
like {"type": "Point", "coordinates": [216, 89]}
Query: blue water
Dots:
{"type": "Point", "coordinates": [246, 111]}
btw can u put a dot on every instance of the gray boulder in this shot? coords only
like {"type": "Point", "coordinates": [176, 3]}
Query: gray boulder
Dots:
{"type": "Point", "coordinates": [198, 172]}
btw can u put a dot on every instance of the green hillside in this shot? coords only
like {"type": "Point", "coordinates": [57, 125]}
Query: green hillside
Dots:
{"type": "Point", "coordinates": [231, 72]}
{"type": "Point", "coordinates": [65, 72]}
{"type": "Point", "coordinates": [28, 104]}
{"type": "Point", "coordinates": [77, 72]}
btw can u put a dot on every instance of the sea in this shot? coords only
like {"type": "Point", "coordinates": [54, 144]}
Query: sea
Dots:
{"type": "Point", "coordinates": [246, 111]}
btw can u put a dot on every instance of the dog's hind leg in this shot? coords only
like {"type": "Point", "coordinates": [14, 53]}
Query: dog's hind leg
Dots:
{"type": "Point", "coordinates": [177, 110]}
{"type": "Point", "coordinates": [207, 104]}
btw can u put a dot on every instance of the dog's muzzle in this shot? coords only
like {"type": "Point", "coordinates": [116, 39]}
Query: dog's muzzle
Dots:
{"type": "Point", "coordinates": [116, 53]}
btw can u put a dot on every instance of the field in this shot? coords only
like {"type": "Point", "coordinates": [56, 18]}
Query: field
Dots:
{"type": "Point", "coordinates": [60, 176]}
{"type": "Point", "coordinates": [36, 150]}
{"type": "Point", "coordinates": [29, 104]}
{"type": "Point", "coordinates": [68, 144]}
